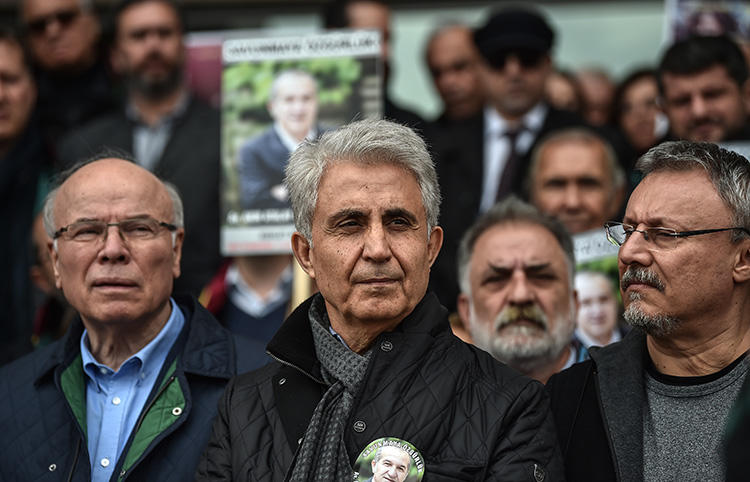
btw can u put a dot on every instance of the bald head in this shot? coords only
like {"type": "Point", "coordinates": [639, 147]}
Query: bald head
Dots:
{"type": "Point", "coordinates": [112, 256]}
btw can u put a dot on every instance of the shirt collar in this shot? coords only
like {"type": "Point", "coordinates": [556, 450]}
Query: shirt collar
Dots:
{"type": "Point", "coordinates": [132, 113]}
{"type": "Point", "coordinates": [290, 143]}
{"type": "Point", "coordinates": [588, 341]}
{"type": "Point", "coordinates": [150, 357]}
{"type": "Point", "coordinates": [248, 300]}
{"type": "Point", "coordinates": [532, 121]}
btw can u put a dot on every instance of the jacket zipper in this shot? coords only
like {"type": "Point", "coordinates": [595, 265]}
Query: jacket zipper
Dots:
{"type": "Point", "coordinates": [292, 365]}
{"type": "Point", "coordinates": [142, 416]}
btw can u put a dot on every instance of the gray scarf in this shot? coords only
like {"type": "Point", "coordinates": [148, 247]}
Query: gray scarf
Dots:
{"type": "Point", "coordinates": [322, 456]}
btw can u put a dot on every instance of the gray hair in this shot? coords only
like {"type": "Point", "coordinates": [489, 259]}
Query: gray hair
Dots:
{"type": "Point", "coordinates": [379, 455]}
{"type": "Point", "coordinates": [48, 211]}
{"type": "Point", "coordinates": [578, 135]}
{"type": "Point", "coordinates": [729, 173]}
{"type": "Point", "coordinates": [366, 142]}
{"type": "Point", "coordinates": [511, 210]}
{"type": "Point", "coordinates": [288, 74]}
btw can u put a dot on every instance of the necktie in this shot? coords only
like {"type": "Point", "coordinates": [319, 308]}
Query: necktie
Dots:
{"type": "Point", "coordinates": [512, 166]}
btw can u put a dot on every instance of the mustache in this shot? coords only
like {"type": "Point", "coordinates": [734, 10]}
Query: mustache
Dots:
{"type": "Point", "coordinates": [636, 274]}
{"type": "Point", "coordinates": [527, 312]}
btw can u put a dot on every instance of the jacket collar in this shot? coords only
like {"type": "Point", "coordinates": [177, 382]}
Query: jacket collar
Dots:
{"type": "Point", "coordinates": [205, 348]}
{"type": "Point", "coordinates": [293, 343]}
{"type": "Point", "coordinates": [623, 398]}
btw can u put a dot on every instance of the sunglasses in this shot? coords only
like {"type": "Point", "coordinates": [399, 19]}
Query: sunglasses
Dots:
{"type": "Point", "coordinates": [38, 25]}
{"type": "Point", "coordinates": [527, 58]}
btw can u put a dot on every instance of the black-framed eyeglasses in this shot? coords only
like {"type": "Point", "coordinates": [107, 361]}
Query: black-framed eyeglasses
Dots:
{"type": "Point", "coordinates": [136, 229]}
{"type": "Point", "coordinates": [527, 58]}
{"type": "Point", "coordinates": [38, 25]}
{"type": "Point", "coordinates": [661, 238]}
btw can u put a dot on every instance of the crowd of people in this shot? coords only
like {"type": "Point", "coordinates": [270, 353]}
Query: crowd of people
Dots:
{"type": "Point", "coordinates": [134, 350]}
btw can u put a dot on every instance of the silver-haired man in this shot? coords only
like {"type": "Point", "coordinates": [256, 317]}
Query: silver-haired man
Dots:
{"type": "Point", "coordinates": [654, 406]}
{"type": "Point", "coordinates": [372, 355]}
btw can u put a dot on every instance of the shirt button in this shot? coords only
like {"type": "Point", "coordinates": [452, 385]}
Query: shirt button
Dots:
{"type": "Point", "coordinates": [386, 346]}
{"type": "Point", "coordinates": [359, 426]}
{"type": "Point", "coordinates": [103, 370]}
{"type": "Point", "coordinates": [116, 401]}
{"type": "Point", "coordinates": [176, 411]}
{"type": "Point", "coordinates": [104, 462]}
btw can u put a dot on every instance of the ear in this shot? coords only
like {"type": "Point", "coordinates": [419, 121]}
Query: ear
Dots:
{"type": "Point", "coordinates": [55, 259]}
{"type": "Point", "coordinates": [435, 243]}
{"type": "Point", "coordinates": [177, 252]}
{"type": "Point", "coordinates": [303, 253]}
{"type": "Point", "coordinates": [463, 305]}
{"type": "Point", "coordinates": [741, 271]}
{"type": "Point", "coordinates": [745, 92]}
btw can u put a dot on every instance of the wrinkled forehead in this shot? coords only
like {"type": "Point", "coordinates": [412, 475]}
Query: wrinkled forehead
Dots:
{"type": "Point", "coordinates": [112, 187]}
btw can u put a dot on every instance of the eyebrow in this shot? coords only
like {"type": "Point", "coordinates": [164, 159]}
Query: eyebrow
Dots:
{"type": "Point", "coordinates": [530, 268]}
{"type": "Point", "coordinates": [400, 212]}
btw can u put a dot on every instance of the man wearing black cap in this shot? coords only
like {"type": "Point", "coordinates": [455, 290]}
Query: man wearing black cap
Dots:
{"type": "Point", "coordinates": [486, 158]}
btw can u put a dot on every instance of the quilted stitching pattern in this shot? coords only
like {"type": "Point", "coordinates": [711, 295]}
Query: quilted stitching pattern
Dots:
{"type": "Point", "coordinates": [471, 417]}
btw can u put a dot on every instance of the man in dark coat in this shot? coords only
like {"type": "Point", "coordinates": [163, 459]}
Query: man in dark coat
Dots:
{"type": "Point", "coordinates": [654, 406]}
{"type": "Point", "coordinates": [130, 391]}
{"type": "Point", "coordinates": [371, 359]}
{"type": "Point", "coordinates": [168, 130]}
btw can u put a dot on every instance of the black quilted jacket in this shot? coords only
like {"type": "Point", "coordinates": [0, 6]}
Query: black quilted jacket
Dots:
{"type": "Point", "coordinates": [43, 407]}
{"type": "Point", "coordinates": [471, 417]}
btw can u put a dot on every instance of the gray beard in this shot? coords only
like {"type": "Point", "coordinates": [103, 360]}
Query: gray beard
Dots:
{"type": "Point", "coordinates": [654, 325]}
{"type": "Point", "coordinates": [536, 347]}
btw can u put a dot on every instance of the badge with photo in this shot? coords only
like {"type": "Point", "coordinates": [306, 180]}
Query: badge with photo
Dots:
{"type": "Point", "coordinates": [389, 459]}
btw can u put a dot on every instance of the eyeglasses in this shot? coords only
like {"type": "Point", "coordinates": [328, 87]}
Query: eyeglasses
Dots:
{"type": "Point", "coordinates": [38, 25]}
{"type": "Point", "coordinates": [138, 229]}
{"type": "Point", "coordinates": [526, 57]}
{"type": "Point", "coordinates": [661, 238]}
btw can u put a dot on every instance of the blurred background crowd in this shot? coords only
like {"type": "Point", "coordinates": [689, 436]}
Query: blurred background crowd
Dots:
{"type": "Point", "coordinates": [552, 102]}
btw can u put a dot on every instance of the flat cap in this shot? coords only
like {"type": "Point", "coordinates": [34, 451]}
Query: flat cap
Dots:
{"type": "Point", "coordinates": [514, 28]}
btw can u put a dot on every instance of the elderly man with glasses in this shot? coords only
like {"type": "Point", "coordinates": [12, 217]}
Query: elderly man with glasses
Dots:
{"type": "Point", "coordinates": [654, 406]}
{"type": "Point", "coordinates": [130, 391]}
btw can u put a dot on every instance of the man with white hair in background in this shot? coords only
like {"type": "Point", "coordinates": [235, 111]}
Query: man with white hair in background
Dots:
{"type": "Point", "coordinates": [515, 268]}
{"type": "Point", "coordinates": [293, 106]}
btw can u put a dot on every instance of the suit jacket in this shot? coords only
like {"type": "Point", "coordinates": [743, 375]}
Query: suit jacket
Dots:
{"type": "Point", "coordinates": [458, 150]}
{"type": "Point", "coordinates": [190, 161]}
{"type": "Point", "coordinates": [262, 160]}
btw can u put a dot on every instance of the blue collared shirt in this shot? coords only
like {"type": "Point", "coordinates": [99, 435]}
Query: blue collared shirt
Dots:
{"type": "Point", "coordinates": [114, 400]}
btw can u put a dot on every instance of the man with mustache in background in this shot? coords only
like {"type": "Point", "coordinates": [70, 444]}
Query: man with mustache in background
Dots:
{"type": "Point", "coordinates": [654, 406]}
{"type": "Point", "coordinates": [705, 91]}
{"type": "Point", "coordinates": [515, 269]}
{"type": "Point", "coordinates": [171, 132]}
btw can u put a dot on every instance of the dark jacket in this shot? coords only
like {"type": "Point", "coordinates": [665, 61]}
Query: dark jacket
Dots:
{"type": "Point", "coordinates": [43, 413]}
{"type": "Point", "coordinates": [471, 417]}
{"type": "Point", "coordinates": [598, 410]}
{"type": "Point", "coordinates": [190, 161]}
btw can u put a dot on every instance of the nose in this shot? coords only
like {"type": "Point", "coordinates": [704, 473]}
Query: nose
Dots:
{"type": "Point", "coordinates": [635, 249]}
{"type": "Point", "coordinates": [512, 65]}
{"type": "Point", "coordinates": [114, 249]}
{"type": "Point", "coordinates": [572, 199]}
{"type": "Point", "coordinates": [698, 106]}
{"type": "Point", "coordinates": [376, 245]}
{"type": "Point", "coordinates": [521, 292]}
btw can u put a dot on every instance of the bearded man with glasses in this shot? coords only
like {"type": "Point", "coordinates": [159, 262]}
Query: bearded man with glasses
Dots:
{"type": "Point", "coordinates": [130, 391]}
{"type": "Point", "coordinates": [654, 406]}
